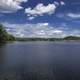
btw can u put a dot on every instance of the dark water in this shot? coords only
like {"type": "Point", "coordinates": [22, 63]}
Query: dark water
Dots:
{"type": "Point", "coordinates": [40, 61]}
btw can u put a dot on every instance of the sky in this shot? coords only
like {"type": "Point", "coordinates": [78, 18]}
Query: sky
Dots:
{"type": "Point", "coordinates": [41, 18]}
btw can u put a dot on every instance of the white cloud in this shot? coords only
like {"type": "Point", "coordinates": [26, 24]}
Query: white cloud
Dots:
{"type": "Point", "coordinates": [62, 3]}
{"type": "Point", "coordinates": [8, 6]}
{"type": "Point", "coordinates": [69, 16]}
{"type": "Point", "coordinates": [41, 9]}
{"type": "Point", "coordinates": [56, 3]}
{"type": "Point", "coordinates": [40, 30]}
{"type": "Point", "coordinates": [57, 31]}
{"type": "Point", "coordinates": [73, 15]}
{"type": "Point", "coordinates": [43, 24]}
{"type": "Point", "coordinates": [31, 18]}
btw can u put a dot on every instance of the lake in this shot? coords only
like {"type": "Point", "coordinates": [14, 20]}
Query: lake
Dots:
{"type": "Point", "coordinates": [40, 61]}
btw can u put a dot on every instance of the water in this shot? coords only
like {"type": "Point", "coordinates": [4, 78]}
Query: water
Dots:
{"type": "Point", "coordinates": [40, 61]}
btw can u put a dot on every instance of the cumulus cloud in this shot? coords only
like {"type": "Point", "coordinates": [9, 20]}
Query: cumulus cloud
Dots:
{"type": "Point", "coordinates": [41, 9]}
{"type": "Point", "coordinates": [8, 6]}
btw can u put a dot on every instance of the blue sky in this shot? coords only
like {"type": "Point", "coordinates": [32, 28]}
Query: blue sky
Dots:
{"type": "Point", "coordinates": [41, 18]}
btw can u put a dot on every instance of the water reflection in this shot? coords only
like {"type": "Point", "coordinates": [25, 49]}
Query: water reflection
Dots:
{"type": "Point", "coordinates": [40, 61]}
{"type": "Point", "coordinates": [2, 53]}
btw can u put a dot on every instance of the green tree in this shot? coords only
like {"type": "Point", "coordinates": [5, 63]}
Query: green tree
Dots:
{"type": "Point", "coordinates": [72, 38]}
{"type": "Point", "coordinates": [4, 36]}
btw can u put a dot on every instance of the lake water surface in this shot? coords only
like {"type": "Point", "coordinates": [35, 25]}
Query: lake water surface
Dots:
{"type": "Point", "coordinates": [40, 61]}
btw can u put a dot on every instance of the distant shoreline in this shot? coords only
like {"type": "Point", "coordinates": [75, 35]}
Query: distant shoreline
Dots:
{"type": "Point", "coordinates": [68, 38]}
